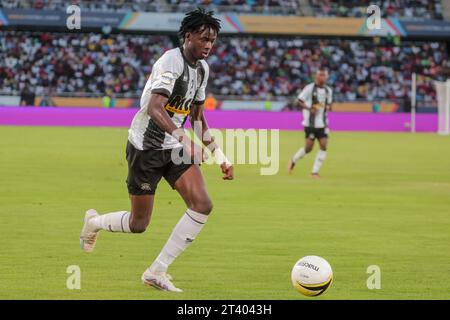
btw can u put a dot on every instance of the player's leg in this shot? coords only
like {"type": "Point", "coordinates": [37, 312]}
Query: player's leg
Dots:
{"type": "Point", "coordinates": [303, 151]}
{"type": "Point", "coordinates": [141, 212]}
{"type": "Point", "coordinates": [321, 155]}
{"type": "Point", "coordinates": [135, 221]}
{"type": "Point", "coordinates": [191, 186]}
{"type": "Point", "coordinates": [144, 173]}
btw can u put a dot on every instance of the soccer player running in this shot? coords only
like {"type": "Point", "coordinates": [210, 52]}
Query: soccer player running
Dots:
{"type": "Point", "coordinates": [156, 143]}
{"type": "Point", "coordinates": [315, 100]}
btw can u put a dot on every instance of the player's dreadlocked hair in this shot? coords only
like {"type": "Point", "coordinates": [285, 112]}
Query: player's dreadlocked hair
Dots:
{"type": "Point", "coordinates": [196, 19]}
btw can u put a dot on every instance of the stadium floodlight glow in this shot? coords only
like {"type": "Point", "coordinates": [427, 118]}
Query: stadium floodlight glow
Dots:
{"type": "Point", "coordinates": [443, 101]}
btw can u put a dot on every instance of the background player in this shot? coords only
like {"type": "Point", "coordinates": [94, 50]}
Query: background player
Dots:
{"type": "Point", "coordinates": [315, 100]}
{"type": "Point", "coordinates": [174, 91]}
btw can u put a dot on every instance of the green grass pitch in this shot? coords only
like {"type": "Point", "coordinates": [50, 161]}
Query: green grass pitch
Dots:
{"type": "Point", "coordinates": [384, 200]}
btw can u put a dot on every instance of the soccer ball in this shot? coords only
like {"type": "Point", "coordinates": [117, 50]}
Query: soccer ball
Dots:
{"type": "Point", "coordinates": [312, 276]}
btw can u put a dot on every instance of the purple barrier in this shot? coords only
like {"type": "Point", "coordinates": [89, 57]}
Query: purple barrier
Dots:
{"type": "Point", "coordinates": [392, 122]}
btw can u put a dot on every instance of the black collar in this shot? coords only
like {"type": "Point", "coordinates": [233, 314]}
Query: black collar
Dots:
{"type": "Point", "coordinates": [185, 59]}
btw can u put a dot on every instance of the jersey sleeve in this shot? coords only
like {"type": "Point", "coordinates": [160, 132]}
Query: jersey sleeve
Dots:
{"type": "Point", "coordinates": [201, 93]}
{"type": "Point", "coordinates": [330, 96]}
{"type": "Point", "coordinates": [306, 95]}
{"type": "Point", "coordinates": [164, 74]}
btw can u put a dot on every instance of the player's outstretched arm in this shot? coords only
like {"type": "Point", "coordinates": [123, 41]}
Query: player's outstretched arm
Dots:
{"type": "Point", "coordinates": [197, 115]}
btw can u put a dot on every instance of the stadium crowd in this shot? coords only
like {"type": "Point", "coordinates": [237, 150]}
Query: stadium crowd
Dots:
{"type": "Point", "coordinates": [243, 67]}
{"type": "Point", "coordinates": [77, 63]}
{"type": "Point", "coordinates": [260, 6]}
{"type": "Point", "coordinates": [421, 9]}
{"type": "Point", "coordinates": [358, 69]}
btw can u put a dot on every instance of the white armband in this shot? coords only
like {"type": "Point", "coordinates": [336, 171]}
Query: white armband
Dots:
{"type": "Point", "coordinates": [220, 157]}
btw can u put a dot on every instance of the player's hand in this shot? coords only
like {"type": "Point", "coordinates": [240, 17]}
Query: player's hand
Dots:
{"type": "Point", "coordinates": [227, 171]}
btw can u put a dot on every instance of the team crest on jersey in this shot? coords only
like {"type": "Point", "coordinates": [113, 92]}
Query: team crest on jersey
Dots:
{"type": "Point", "coordinates": [178, 104]}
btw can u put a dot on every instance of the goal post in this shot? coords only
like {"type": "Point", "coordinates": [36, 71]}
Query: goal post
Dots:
{"type": "Point", "coordinates": [443, 102]}
{"type": "Point", "coordinates": [413, 102]}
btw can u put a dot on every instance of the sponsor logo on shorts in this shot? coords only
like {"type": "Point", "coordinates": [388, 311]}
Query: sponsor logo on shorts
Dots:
{"type": "Point", "coordinates": [146, 187]}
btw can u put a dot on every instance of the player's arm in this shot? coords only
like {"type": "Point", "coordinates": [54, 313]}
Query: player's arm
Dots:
{"type": "Point", "coordinates": [302, 105]}
{"type": "Point", "coordinates": [164, 75]}
{"type": "Point", "coordinates": [304, 97]}
{"type": "Point", "coordinates": [197, 115]}
{"type": "Point", "coordinates": [158, 113]}
{"type": "Point", "coordinates": [198, 118]}
{"type": "Point", "coordinates": [329, 106]}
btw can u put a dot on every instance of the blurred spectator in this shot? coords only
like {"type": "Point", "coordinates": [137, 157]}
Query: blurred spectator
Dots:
{"type": "Point", "coordinates": [109, 101]}
{"type": "Point", "coordinates": [375, 108]}
{"type": "Point", "coordinates": [46, 100]}
{"type": "Point", "coordinates": [210, 102]}
{"type": "Point", "coordinates": [27, 97]}
{"type": "Point", "coordinates": [268, 103]}
{"type": "Point", "coordinates": [420, 9]}
{"type": "Point", "coordinates": [106, 101]}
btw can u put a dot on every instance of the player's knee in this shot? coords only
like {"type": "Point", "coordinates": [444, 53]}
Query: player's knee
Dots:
{"type": "Point", "coordinates": [138, 228]}
{"type": "Point", "coordinates": [139, 225]}
{"type": "Point", "coordinates": [308, 149]}
{"type": "Point", "coordinates": [204, 206]}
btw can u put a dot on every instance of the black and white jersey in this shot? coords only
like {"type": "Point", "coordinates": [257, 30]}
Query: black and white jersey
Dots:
{"type": "Point", "coordinates": [321, 97]}
{"type": "Point", "coordinates": [184, 84]}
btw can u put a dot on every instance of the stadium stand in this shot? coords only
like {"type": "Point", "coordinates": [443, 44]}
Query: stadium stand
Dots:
{"type": "Point", "coordinates": [411, 9]}
{"type": "Point", "coordinates": [359, 70]}
{"type": "Point", "coordinates": [420, 9]}
{"type": "Point", "coordinates": [77, 63]}
{"type": "Point", "coordinates": [249, 6]}
{"type": "Point", "coordinates": [241, 67]}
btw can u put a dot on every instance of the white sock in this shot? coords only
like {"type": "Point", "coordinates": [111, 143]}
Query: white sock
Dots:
{"type": "Point", "coordinates": [189, 226]}
{"type": "Point", "coordinates": [320, 158]}
{"type": "Point", "coordinates": [113, 222]}
{"type": "Point", "coordinates": [299, 154]}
